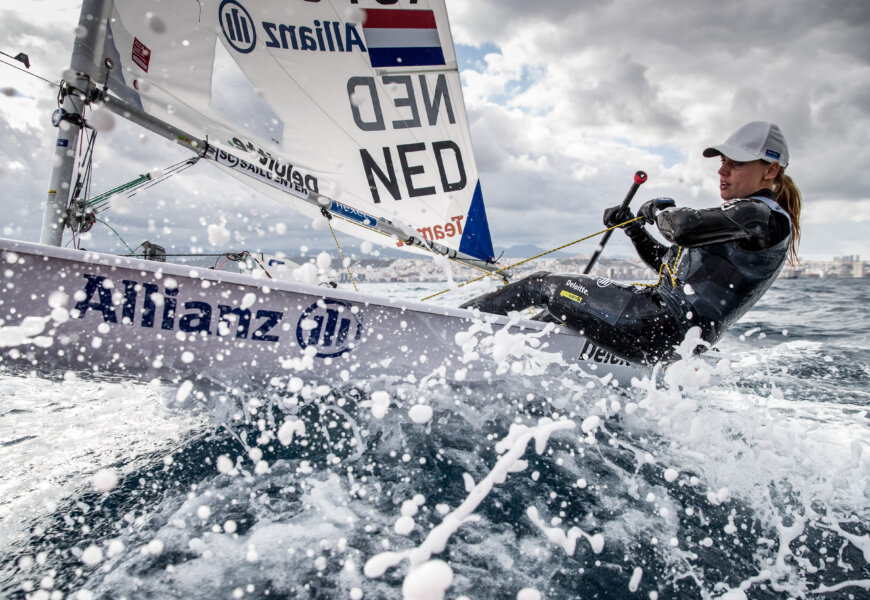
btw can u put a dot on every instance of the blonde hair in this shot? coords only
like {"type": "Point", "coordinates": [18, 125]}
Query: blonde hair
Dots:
{"type": "Point", "coordinates": [788, 196]}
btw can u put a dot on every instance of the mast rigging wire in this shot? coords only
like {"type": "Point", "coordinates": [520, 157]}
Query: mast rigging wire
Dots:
{"type": "Point", "coordinates": [31, 73]}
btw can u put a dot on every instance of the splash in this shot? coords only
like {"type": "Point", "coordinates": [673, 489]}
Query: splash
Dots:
{"type": "Point", "coordinates": [512, 448]}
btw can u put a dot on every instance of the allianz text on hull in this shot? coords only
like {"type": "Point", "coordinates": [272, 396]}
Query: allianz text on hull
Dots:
{"type": "Point", "coordinates": [68, 309]}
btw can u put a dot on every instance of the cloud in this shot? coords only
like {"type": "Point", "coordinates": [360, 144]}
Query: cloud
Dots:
{"type": "Point", "coordinates": [622, 85]}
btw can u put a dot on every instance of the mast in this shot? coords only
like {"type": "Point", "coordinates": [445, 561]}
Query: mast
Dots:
{"type": "Point", "coordinates": [86, 64]}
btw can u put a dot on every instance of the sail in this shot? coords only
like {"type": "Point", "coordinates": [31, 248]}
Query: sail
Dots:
{"type": "Point", "coordinates": [355, 100]}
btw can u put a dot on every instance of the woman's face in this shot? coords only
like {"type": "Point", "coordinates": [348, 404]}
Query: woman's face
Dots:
{"type": "Point", "coordinates": [740, 179]}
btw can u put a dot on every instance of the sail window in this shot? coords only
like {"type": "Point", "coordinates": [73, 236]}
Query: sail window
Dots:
{"type": "Point", "coordinates": [238, 100]}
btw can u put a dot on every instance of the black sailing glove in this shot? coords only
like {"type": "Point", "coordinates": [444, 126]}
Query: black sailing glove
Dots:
{"type": "Point", "coordinates": [649, 250]}
{"type": "Point", "coordinates": [615, 215]}
{"type": "Point", "coordinates": [649, 208]}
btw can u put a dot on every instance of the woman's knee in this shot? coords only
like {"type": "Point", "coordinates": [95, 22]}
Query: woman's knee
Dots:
{"type": "Point", "coordinates": [536, 277]}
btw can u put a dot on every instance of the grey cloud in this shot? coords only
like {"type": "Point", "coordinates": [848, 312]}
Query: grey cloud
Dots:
{"type": "Point", "coordinates": [623, 94]}
{"type": "Point", "coordinates": [685, 74]}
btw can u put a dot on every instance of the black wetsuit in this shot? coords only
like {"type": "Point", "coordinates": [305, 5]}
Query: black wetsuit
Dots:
{"type": "Point", "coordinates": [721, 262]}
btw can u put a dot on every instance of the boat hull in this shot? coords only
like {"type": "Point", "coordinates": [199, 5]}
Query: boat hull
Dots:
{"type": "Point", "coordinates": [79, 310]}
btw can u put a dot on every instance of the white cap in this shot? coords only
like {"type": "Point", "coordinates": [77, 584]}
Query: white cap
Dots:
{"type": "Point", "coordinates": [758, 140]}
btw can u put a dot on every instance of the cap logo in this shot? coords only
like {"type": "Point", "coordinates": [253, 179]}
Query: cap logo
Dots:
{"type": "Point", "coordinates": [772, 154]}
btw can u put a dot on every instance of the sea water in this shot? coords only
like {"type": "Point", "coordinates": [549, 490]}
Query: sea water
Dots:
{"type": "Point", "coordinates": [744, 478]}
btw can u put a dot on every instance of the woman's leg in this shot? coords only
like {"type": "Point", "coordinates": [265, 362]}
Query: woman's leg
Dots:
{"type": "Point", "coordinates": [623, 320]}
{"type": "Point", "coordinates": [519, 295]}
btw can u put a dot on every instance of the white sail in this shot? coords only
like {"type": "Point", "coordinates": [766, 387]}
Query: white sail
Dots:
{"type": "Point", "coordinates": [355, 100]}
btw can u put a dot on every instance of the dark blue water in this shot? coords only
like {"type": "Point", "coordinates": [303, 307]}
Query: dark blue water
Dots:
{"type": "Point", "coordinates": [750, 481]}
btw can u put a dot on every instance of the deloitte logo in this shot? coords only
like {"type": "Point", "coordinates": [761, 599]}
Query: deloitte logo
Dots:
{"type": "Point", "coordinates": [329, 325]}
{"type": "Point", "coordinates": [238, 26]}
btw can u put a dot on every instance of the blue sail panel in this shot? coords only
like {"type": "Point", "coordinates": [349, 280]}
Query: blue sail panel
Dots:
{"type": "Point", "coordinates": [476, 240]}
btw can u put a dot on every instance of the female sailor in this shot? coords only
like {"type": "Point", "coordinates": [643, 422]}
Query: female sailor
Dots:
{"type": "Point", "coordinates": [720, 262]}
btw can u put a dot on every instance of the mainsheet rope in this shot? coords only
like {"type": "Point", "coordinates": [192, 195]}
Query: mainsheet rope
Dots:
{"type": "Point", "coordinates": [531, 258]}
{"type": "Point", "coordinates": [671, 269]}
{"type": "Point", "coordinates": [344, 262]}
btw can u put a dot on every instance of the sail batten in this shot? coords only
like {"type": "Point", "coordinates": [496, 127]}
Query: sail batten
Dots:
{"type": "Point", "coordinates": [361, 105]}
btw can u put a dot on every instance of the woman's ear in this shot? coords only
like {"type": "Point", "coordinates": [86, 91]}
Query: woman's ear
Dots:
{"type": "Point", "coordinates": [772, 171]}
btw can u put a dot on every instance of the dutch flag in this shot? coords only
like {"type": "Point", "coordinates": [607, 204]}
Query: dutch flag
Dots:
{"type": "Point", "coordinates": [402, 38]}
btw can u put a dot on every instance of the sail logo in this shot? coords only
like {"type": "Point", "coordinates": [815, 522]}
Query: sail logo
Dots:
{"type": "Point", "coordinates": [291, 183]}
{"type": "Point", "coordinates": [238, 26]}
{"type": "Point", "coordinates": [395, 37]}
{"type": "Point", "coordinates": [332, 327]}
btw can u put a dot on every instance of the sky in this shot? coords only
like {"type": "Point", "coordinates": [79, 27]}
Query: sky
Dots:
{"type": "Point", "coordinates": [565, 99]}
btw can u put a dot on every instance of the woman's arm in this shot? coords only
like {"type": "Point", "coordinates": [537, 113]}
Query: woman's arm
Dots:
{"type": "Point", "coordinates": [749, 222]}
{"type": "Point", "coordinates": [648, 248]}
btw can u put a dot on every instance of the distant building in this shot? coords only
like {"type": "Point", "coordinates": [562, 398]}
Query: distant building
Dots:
{"type": "Point", "coordinates": [626, 270]}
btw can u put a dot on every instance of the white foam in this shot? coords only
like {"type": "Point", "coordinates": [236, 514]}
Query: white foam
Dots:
{"type": "Point", "coordinates": [289, 429]}
{"type": "Point", "coordinates": [420, 413]}
{"type": "Point", "coordinates": [565, 540]}
{"type": "Point", "coordinates": [105, 480]}
{"type": "Point", "coordinates": [428, 581]}
{"type": "Point", "coordinates": [404, 525]}
{"type": "Point", "coordinates": [92, 555]}
{"type": "Point", "coordinates": [741, 445]}
{"type": "Point", "coordinates": [27, 332]}
{"type": "Point", "coordinates": [512, 447]}
{"type": "Point", "coordinates": [634, 582]}
{"type": "Point", "coordinates": [324, 261]}
{"type": "Point", "coordinates": [218, 235]}
{"type": "Point", "coordinates": [68, 430]}
{"type": "Point", "coordinates": [380, 404]}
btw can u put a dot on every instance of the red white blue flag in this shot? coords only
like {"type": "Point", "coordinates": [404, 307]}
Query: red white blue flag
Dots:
{"type": "Point", "coordinates": [402, 38]}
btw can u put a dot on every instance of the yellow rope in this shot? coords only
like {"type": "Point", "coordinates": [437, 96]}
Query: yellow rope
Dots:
{"type": "Point", "coordinates": [672, 271]}
{"type": "Point", "coordinates": [524, 261]}
{"type": "Point", "coordinates": [340, 253]}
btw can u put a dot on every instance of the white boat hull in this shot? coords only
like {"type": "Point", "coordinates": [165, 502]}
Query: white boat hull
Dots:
{"type": "Point", "coordinates": [69, 309]}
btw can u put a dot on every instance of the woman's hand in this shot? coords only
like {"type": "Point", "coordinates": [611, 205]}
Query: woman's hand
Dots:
{"type": "Point", "coordinates": [616, 215]}
{"type": "Point", "coordinates": [649, 208]}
